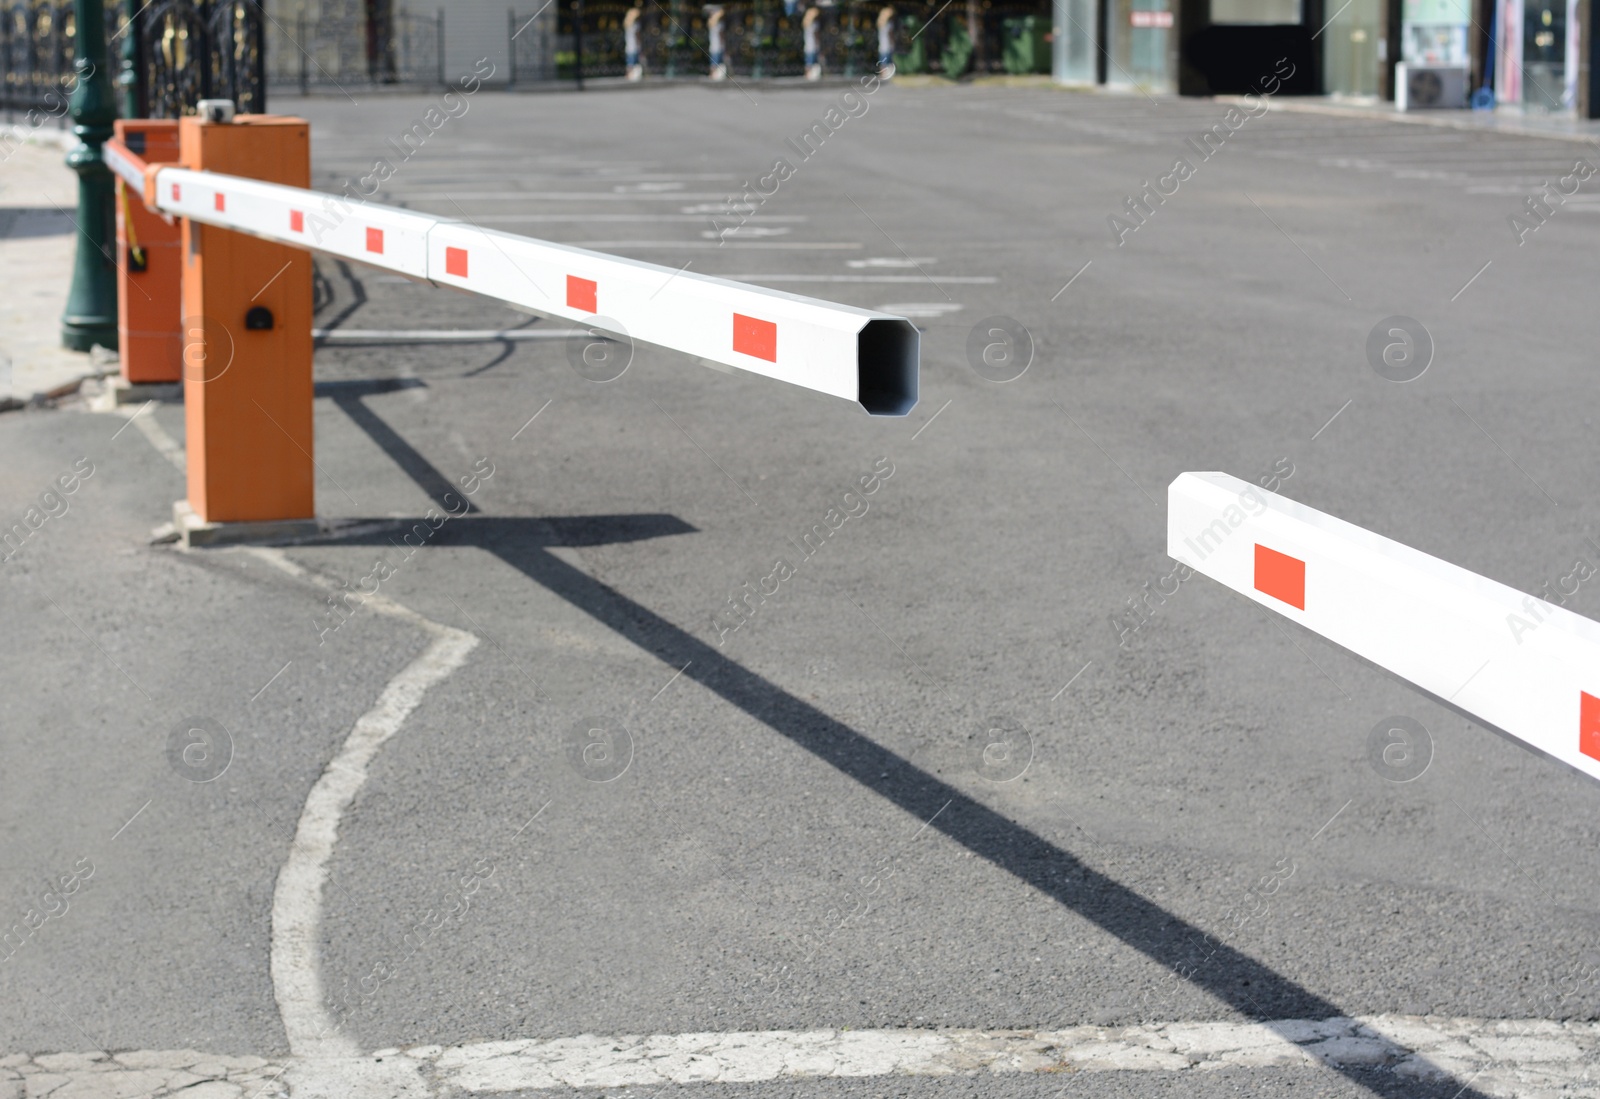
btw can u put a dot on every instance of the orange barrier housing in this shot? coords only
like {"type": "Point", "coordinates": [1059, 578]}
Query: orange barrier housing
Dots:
{"type": "Point", "coordinates": [246, 333]}
{"type": "Point", "coordinates": [149, 263]}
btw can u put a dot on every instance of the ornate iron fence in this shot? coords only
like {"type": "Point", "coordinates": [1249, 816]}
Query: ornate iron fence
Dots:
{"type": "Point", "coordinates": [980, 36]}
{"type": "Point", "coordinates": [766, 38]}
{"type": "Point", "coordinates": [188, 50]}
{"type": "Point", "coordinates": [37, 39]}
{"type": "Point", "coordinates": [368, 45]}
{"type": "Point", "coordinates": [172, 54]}
{"type": "Point", "coordinates": [533, 45]}
{"type": "Point", "coordinates": [180, 51]}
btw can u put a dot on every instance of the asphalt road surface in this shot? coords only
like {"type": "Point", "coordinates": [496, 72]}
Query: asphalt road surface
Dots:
{"type": "Point", "coordinates": [592, 806]}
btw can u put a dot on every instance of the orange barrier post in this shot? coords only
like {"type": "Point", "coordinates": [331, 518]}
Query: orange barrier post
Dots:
{"type": "Point", "coordinates": [247, 335]}
{"type": "Point", "coordinates": [149, 263]}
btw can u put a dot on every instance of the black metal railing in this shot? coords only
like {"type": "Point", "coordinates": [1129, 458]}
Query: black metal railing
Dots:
{"type": "Point", "coordinates": [987, 36]}
{"type": "Point", "coordinates": [766, 38]}
{"type": "Point", "coordinates": [189, 50]}
{"type": "Point", "coordinates": [572, 40]}
{"type": "Point", "coordinates": [37, 53]}
{"type": "Point", "coordinates": [335, 50]}
{"type": "Point", "coordinates": [533, 45]}
{"type": "Point", "coordinates": [180, 51]}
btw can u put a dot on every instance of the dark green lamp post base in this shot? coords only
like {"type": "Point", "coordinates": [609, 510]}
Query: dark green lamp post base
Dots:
{"type": "Point", "coordinates": [91, 315]}
{"type": "Point", "coordinates": [90, 319]}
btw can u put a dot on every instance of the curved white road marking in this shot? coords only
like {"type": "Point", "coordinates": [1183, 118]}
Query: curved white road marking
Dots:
{"type": "Point", "coordinates": [1509, 1057]}
{"type": "Point", "coordinates": [325, 1061]}
{"type": "Point", "coordinates": [312, 1031]}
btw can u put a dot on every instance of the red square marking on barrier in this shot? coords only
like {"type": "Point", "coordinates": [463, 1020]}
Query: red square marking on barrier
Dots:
{"type": "Point", "coordinates": [756, 338]}
{"type": "Point", "coordinates": [297, 221]}
{"type": "Point", "coordinates": [583, 294]}
{"type": "Point", "coordinates": [1281, 576]}
{"type": "Point", "coordinates": [176, 194]}
{"type": "Point", "coordinates": [220, 201]}
{"type": "Point", "coordinates": [455, 262]}
{"type": "Point", "coordinates": [375, 241]}
{"type": "Point", "coordinates": [1589, 725]}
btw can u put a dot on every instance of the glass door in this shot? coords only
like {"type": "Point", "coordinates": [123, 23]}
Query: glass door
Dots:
{"type": "Point", "coordinates": [1350, 50]}
{"type": "Point", "coordinates": [1075, 45]}
{"type": "Point", "coordinates": [1544, 55]}
{"type": "Point", "coordinates": [1141, 45]}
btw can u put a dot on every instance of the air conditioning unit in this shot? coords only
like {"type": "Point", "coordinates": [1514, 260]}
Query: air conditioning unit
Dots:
{"type": "Point", "coordinates": [1431, 87]}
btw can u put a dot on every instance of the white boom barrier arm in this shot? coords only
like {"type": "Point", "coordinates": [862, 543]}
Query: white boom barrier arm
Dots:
{"type": "Point", "coordinates": [857, 354]}
{"type": "Point", "coordinates": [1508, 661]}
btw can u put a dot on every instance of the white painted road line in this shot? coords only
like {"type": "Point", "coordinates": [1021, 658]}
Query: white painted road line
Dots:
{"type": "Point", "coordinates": [566, 196]}
{"type": "Point", "coordinates": [732, 245]}
{"type": "Point", "coordinates": [447, 184]}
{"type": "Point", "coordinates": [892, 261]}
{"type": "Point", "coordinates": [327, 1064]}
{"type": "Point", "coordinates": [509, 219]}
{"type": "Point", "coordinates": [297, 898]}
{"type": "Point", "coordinates": [442, 335]}
{"type": "Point", "coordinates": [916, 310]}
{"type": "Point", "coordinates": [976, 280]}
{"type": "Point", "coordinates": [1420, 1048]}
{"type": "Point", "coordinates": [143, 419]}
{"type": "Point", "coordinates": [1507, 1058]}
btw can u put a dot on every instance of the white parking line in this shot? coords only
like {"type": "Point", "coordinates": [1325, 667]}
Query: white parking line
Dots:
{"type": "Point", "coordinates": [502, 219]}
{"type": "Point", "coordinates": [557, 196]}
{"type": "Point", "coordinates": [1500, 1058]}
{"type": "Point", "coordinates": [443, 335]}
{"type": "Point", "coordinates": [1418, 1048]}
{"type": "Point", "coordinates": [165, 444]}
{"type": "Point", "coordinates": [976, 280]}
{"type": "Point", "coordinates": [912, 310]}
{"type": "Point", "coordinates": [732, 245]}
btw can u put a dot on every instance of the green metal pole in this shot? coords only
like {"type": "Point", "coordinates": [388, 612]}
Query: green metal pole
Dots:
{"type": "Point", "coordinates": [91, 316]}
{"type": "Point", "coordinates": [678, 57]}
{"type": "Point", "coordinates": [128, 78]}
{"type": "Point", "coordinates": [760, 20]}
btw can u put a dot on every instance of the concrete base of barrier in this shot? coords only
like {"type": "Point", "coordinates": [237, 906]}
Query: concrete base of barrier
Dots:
{"type": "Point", "coordinates": [193, 531]}
{"type": "Point", "coordinates": [116, 391]}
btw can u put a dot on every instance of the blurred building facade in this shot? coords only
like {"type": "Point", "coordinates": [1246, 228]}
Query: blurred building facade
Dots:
{"type": "Point", "coordinates": [1535, 56]}
{"type": "Point", "coordinates": [321, 43]}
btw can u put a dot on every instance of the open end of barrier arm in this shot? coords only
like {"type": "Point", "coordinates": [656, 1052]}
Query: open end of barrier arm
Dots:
{"type": "Point", "coordinates": [1506, 660]}
{"type": "Point", "coordinates": [858, 354]}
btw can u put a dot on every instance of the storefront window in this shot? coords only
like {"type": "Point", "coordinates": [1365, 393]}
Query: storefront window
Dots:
{"type": "Point", "coordinates": [1350, 50]}
{"type": "Point", "coordinates": [1544, 54]}
{"type": "Point", "coordinates": [1255, 11]}
{"type": "Point", "coordinates": [1537, 59]}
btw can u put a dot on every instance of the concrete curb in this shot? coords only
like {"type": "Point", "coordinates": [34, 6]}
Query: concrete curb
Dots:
{"type": "Point", "coordinates": [1471, 121]}
{"type": "Point", "coordinates": [46, 398]}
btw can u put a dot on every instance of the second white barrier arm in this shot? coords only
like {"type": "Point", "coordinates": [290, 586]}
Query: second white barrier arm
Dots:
{"type": "Point", "coordinates": [858, 354]}
{"type": "Point", "coordinates": [1510, 662]}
